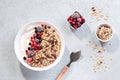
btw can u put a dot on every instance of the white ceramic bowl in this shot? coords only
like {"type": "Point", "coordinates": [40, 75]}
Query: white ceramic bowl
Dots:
{"type": "Point", "coordinates": [101, 39]}
{"type": "Point", "coordinates": [21, 55]}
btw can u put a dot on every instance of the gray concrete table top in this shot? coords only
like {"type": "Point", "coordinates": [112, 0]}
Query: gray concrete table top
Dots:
{"type": "Point", "coordinates": [15, 13]}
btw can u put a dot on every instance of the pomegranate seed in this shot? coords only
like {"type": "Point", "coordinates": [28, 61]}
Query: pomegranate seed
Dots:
{"type": "Point", "coordinates": [35, 45]}
{"type": "Point", "coordinates": [29, 59]}
{"type": "Point", "coordinates": [26, 52]}
{"type": "Point", "coordinates": [32, 45]}
{"type": "Point", "coordinates": [36, 51]}
{"type": "Point", "coordinates": [34, 35]}
{"type": "Point", "coordinates": [31, 37]}
{"type": "Point", "coordinates": [32, 40]}
{"type": "Point", "coordinates": [41, 34]}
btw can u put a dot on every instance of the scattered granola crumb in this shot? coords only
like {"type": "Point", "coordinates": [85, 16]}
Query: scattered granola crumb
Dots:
{"type": "Point", "coordinates": [93, 1]}
{"type": "Point", "coordinates": [100, 63]}
{"type": "Point", "coordinates": [89, 41]}
{"type": "Point", "coordinates": [105, 17]}
{"type": "Point", "coordinates": [99, 51]}
{"type": "Point", "coordinates": [97, 13]}
{"type": "Point", "coordinates": [96, 47]}
{"type": "Point", "coordinates": [110, 58]}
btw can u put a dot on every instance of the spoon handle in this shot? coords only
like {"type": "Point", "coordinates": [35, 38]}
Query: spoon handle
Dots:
{"type": "Point", "coordinates": [60, 76]}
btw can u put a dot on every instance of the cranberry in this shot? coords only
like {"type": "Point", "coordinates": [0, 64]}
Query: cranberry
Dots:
{"type": "Point", "coordinates": [83, 20]}
{"type": "Point", "coordinates": [32, 39]}
{"type": "Point", "coordinates": [79, 19]}
{"type": "Point", "coordinates": [73, 22]}
{"type": "Point", "coordinates": [39, 47]}
{"type": "Point", "coordinates": [42, 25]}
{"type": "Point", "coordinates": [34, 35]}
{"type": "Point", "coordinates": [36, 31]}
{"type": "Point", "coordinates": [75, 26]}
{"type": "Point", "coordinates": [69, 18]}
{"type": "Point", "coordinates": [36, 51]}
{"type": "Point", "coordinates": [26, 52]}
{"type": "Point", "coordinates": [41, 34]}
{"type": "Point", "coordinates": [29, 59]}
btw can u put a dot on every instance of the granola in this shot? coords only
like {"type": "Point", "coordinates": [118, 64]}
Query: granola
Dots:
{"type": "Point", "coordinates": [104, 32]}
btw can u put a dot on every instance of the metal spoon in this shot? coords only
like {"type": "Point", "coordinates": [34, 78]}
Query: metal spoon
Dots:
{"type": "Point", "coordinates": [73, 57]}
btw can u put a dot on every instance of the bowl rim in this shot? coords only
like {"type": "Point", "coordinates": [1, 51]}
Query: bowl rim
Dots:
{"type": "Point", "coordinates": [17, 51]}
{"type": "Point", "coordinates": [100, 26]}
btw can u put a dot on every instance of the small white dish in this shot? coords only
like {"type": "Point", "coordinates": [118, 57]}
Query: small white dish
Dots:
{"type": "Point", "coordinates": [100, 25]}
{"type": "Point", "coordinates": [20, 55]}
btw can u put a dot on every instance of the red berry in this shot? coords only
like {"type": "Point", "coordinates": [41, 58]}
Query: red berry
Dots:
{"type": "Point", "coordinates": [41, 34]}
{"type": "Point", "coordinates": [75, 26]}
{"type": "Point", "coordinates": [79, 19]}
{"type": "Point", "coordinates": [42, 25]}
{"type": "Point", "coordinates": [73, 22]}
{"type": "Point", "coordinates": [36, 51]}
{"type": "Point", "coordinates": [29, 59]}
{"type": "Point", "coordinates": [34, 35]}
{"type": "Point", "coordinates": [83, 20]}
{"type": "Point", "coordinates": [69, 18]}
{"type": "Point", "coordinates": [26, 52]}
{"type": "Point", "coordinates": [32, 45]}
{"type": "Point", "coordinates": [32, 39]}
{"type": "Point", "coordinates": [70, 21]}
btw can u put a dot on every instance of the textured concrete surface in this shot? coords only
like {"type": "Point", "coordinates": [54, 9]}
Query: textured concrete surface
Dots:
{"type": "Point", "coordinates": [15, 13]}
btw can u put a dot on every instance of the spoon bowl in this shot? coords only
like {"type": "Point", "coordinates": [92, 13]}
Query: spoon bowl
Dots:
{"type": "Point", "coordinates": [75, 55]}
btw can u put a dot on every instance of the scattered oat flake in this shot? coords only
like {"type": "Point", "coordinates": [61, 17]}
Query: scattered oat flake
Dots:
{"type": "Point", "coordinates": [100, 64]}
{"type": "Point", "coordinates": [97, 13]}
{"type": "Point", "coordinates": [96, 47]}
{"type": "Point", "coordinates": [99, 51]}
{"type": "Point", "coordinates": [110, 58]}
{"type": "Point", "coordinates": [105, 17]}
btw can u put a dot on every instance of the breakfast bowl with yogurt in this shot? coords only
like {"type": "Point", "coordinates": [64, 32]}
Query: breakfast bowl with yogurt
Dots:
{"type": "Point", "coordinates": [39, 46]}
